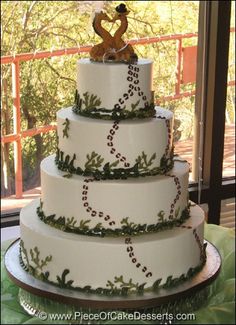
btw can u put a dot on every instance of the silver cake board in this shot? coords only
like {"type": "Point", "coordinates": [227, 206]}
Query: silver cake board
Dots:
{"type": "Point", "coordinates": [100, 302]}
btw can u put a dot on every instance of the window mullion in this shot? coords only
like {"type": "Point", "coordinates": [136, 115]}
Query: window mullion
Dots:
{"type": "Point", "coordinates": [218, 16]}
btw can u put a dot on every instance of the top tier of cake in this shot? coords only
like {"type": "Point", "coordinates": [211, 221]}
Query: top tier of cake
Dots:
{"type": "Point", "coordinates": [114, 90]}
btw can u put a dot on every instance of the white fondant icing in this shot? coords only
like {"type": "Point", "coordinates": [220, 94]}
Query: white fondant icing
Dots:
{"type": "Point", "coordinates": [93, 261]}
{"type": "Point", "coordinates": [144, 258]}
{"type": "Point", "coordinates": [109, 82]}
{"type": "Point", "coordinates": [140, 199]}
{"type": "Point", "coordinates": [130, 139]}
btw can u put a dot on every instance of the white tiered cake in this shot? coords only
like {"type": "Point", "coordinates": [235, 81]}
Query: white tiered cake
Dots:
{"type": "Point", "coordinates": [114, 216]}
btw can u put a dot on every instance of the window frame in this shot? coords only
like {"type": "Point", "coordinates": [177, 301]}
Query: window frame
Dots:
{"type": "Point", "coordinates": [211, 92]}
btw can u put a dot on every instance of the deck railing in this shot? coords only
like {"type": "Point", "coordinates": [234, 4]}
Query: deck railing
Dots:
{"type": "Point", "coordinates": [15, 61]}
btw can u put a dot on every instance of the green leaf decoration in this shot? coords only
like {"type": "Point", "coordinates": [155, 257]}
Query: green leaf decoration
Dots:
{"type": "Point", "coordinates": [156, 285]}
{"type": "Point", "coordinates": [86, 103]}
{"type": "Point", "coordinates": [107, 167]}
{"type": "Point", "coordinates": [61, 155]}
{"type": "Point", "coordinates": [90, 101]}
{"type": "Point", "coordinates": [98, 226]}
{"type": "Point", "coordinates": [124, 291]}
{"type": "Point", "coordinates": [83, 225]}
{"type": "Point", "coordinates": [127, 227]}
{"type": "Point", "coordinates": [143, 162]}
{"type": "Point", "coordinates": [68, 175]}
{"type": "Point", "coordinates": [88, 106]}
{"type": "Point", "coordinates": [124, 221]}
{"type": "Point", "coordinates": [62, 280]}
{"type": "Point", "coordinates": [23, 252]}
{"type": "Point", "coordinates": [177, 212]}
{"type": "Point", "coordinates": [124, 288]}
{"type": "Point", "coordinates": [78, 100]}
{"type": "Point", "coordinates": [94, 167]}
{"type": "Point", "coordinates": [34, 253]}
{"type": "Point", "coordinates": [87, 289]}
{"type": "Point", "coordinates": [44, 276]}
{"type": "Point", "coordinates": [168, 281]}
{"type": "Point", "coordinates": [190, 272]}
{"type": "Point", "coordinates": [114, 164]}
{"type": "Point", "coordinates": [161, 216]}
{"type": "Point", "coordinates": [140, 288]}
{"type": "Point", "coordinates": [70, 222]}
{"type": "Point", "coordinates": [110, 284]}
{"type": "Point", "coordinates": [66, 128]}
{"type": "Point", "coordinates": [134, 106]}
{"type": "Point", "coordinates": [94, 161]}
{"type": "Point", "coordinates": [67, 159]}
{"type": "Point", "coordinates": [117, 287]}
{"type": "Point", "coordinates": [118, 279]}
{"type": "Point", "coordinates": [39, 264]}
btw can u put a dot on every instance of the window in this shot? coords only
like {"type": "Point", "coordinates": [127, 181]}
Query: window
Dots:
{"type": "Point", "coordinates": [211, 97]}
{"type": "Point", "coordinates": [198, 129]}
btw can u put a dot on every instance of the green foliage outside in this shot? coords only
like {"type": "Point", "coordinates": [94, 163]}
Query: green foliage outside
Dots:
{"type": "Point", "coordinates": [49, 84]}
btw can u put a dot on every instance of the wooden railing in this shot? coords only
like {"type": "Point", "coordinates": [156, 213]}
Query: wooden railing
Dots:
{"type": "Point", "coordinates": [15, 61]}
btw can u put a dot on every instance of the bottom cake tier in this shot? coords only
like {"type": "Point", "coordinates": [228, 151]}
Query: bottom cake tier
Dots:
{"type": "Point", "coordinates": [111, 265]}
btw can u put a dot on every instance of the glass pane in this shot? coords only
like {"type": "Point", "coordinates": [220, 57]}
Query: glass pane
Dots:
{"type": "Point", "coordinates": [229, 144]}
{"type": "Point", "coordinates": [48, 84]}
{"type": "Point", "coordinates": [227, 215]}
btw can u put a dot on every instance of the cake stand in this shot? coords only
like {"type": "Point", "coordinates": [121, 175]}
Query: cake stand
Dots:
{"type": "Point", "coordinates": [40, 299]}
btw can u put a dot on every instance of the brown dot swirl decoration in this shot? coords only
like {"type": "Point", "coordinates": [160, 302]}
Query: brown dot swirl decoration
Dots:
{"type": "Point", "coordinates": [113, 151]}
{"type": "Point", "coordinates": [133, 79]}
{"type": "Point", "coordinates": [167, 150]}
{"type": "Point", "coordinates": [169, 134]}
{"type": "Point", "coordinates": [133, 87]}
{"type": "Point", "coordinates": [201, 247]}
{"type": "Point", "coordinates": [93, 212]}
{"type": "Point", "coordinates": [134, 259]}
{"type": "Point", "coordinates": [177, 197]}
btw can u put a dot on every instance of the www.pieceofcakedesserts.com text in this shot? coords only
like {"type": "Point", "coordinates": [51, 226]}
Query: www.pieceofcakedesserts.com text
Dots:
{"type": "Point", "coordinates": [106, 316]}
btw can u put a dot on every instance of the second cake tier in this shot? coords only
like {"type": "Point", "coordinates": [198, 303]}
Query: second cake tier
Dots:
{"type": "Point", "coordinates": [115, 149]}
{"type": "Point", "coordinates": [135, 205]}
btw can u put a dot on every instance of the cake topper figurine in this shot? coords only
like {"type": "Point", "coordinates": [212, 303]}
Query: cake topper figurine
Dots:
{"type": "Point", "coordinates": [112, 48]}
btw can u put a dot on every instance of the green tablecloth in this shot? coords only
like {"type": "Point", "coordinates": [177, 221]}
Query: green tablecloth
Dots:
{"type": "Point", "coordinates": [218, 309]}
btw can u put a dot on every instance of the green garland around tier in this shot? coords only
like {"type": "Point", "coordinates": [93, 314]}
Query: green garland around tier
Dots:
{"type": "Point", "coordinates": [88, 106]}
{"type": "Point", "coordinates": [127, 229]}
{"type": "Point", "coordinates": [96, 167]}
{"type": "Point", "coordinates": [40, 264]}
{"type": "Point", "coordinates": [118, 287]}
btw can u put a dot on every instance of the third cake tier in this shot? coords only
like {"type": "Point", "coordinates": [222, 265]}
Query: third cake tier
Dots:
{"type": "Point", "coordinates": [134, 205]}
{"type": "Point", "coordinates": [115, 149]}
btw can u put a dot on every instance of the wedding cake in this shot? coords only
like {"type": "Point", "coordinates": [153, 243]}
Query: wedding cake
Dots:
{"type": "Point", "coordinates": [114, 217]}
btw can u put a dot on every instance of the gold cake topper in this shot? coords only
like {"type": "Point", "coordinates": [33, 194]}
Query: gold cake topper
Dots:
{"type": "Point", "coordinates": [112, 48]}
